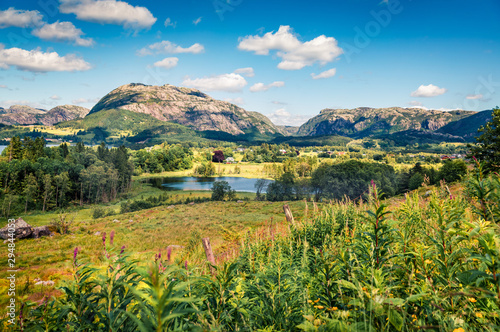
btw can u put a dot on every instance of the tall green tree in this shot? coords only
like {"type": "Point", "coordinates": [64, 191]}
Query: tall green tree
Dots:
{"type": "Point", "coordinates": [487, 147]}
{"type": "Point", "coordinates": [47, 189]}
{"type": "Point", "coordinates": [30, 190]}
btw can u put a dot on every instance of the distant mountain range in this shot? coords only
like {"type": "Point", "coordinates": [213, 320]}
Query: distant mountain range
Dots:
{"type": "Point", "coordinates": [25, 115]}
{"type": "Point", "coordinates": [142, 113]}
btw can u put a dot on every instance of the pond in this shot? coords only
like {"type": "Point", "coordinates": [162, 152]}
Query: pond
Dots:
{"type": "Point", "coordinates": [196, 183]}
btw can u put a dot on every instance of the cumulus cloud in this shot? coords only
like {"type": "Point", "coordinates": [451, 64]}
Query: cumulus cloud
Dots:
{"type": "Point", "coordinates": [237, 101]}
{"type": "Point", "coordinates": [167, 47]}
{"type": "Point", "coordinates": [294, 54]}
{"type": "Point", "coordinates": [428, 91]}
{"type": "Point", "coordinates": [62, 32]}
{"type": "Point", "coordinates": [247, 71]}
{"type": "Point", "coordinates": [109, 11]}
{"type": "Point", "coordinates": [20, 18]}
{"type": "Point", "coordinates": [169, 23]}
{"type": "Point", "coordinates": [10, 102]}
{"type": "Point", "coordinates": [479, 96]}
{"type": "Point", "coordinates": [281, 117]}
{"type": "Point", "coordinates": [198, 20]}
{"type": "Point", "coordinates": [39, 61]}
{"type": "Point", "coordinates": [55, 97]}
{"type": "Point", "coordinates": [415, 103]}
{"type": "Point", "coordinates": [167, 63]}
{"type": "Point", "coordinates": [225, 82]}
{"type": "Point", "coordinates": [326, 74]}
{"type": "Point", "coordinates": [257, 87]}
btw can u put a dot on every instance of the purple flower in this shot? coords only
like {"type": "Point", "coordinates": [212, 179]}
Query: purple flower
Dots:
{"type": "Point", "coordinates": [75, 252]}
{"type": "Point", "coordinates": [104, 238]}
{"type": "Point", "coordinates": [169, 252]}
{"type": "Point", "coordinates": [123, 249]}
{"type": "Point", "coordinates": [474, 157]}
{"type": "Point", "coordinates": [159, 254]}
{"type": "Point", "coordinates": [111, 237]}
{"type": "Point", "coordinates": [186, 265]}
{"type": "Point", "coordinates": [373, 184]}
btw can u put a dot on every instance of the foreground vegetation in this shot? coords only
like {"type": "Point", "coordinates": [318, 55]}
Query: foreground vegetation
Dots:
{"type": "Point", "coordinates": [429, 263]}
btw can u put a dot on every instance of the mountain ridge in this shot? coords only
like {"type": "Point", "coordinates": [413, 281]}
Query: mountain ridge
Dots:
{"type": "Point", "coordinates": [189, 107]}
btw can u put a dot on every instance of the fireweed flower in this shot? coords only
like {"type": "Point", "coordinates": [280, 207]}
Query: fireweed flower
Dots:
{"type": "Point", "coordinates": [111, 237]}
{"type": "Point", "coordinates": [104, 238]}
{"type": "Point", "coordinates": [169, 253]}
{"type": "Point", "coordinates": [123, 249]}
{"type": "Point", "coordinates": [75, 252]}
{"type": "Point", "coordinates": [186, 265]}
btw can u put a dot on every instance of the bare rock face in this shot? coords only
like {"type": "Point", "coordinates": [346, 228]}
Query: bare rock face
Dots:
{"type": "Point", "coordinates": [185, 106]}
{"type": "Point", "coordinates": [365, 121]}
{"type": "Point", "coordinates": [25, 115]}
{"type": "Point", "coordinates": [22, 230]}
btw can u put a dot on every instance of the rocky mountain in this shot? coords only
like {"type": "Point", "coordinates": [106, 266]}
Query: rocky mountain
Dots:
{"type": "Point", "coordinates": [366, 121]}
{"type": "Point", "coordinates": [26, 115]}
{"type": "Point", "coordinates": [189, 107]}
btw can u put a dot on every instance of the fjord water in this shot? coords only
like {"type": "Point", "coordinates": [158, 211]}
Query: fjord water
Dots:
{"type": "Point", "coordinates": [238, 184]}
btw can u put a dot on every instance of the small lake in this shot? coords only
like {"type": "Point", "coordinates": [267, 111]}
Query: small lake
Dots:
{"type": "Point", "coordinates": [195, 183]}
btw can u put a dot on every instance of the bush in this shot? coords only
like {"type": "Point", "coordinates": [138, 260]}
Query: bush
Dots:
{"type": "Point", "coordinates": [222, 190]}
{"type": "Point", "coordinates": [98, 212]}
{"type": "Point", "coordinates": [415, 181]}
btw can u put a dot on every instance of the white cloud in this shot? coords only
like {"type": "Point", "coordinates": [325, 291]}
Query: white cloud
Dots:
{"type": "Point", "coordinates": [237, 101]}
{"type": "Point", "coordinates": [295, 54]}
{"type": "Point", "coordinates": [80, 101]}
{"type": "Point", "coordinates": [109, 11]}
{"type": "Point", "coordinates": [428, 91]}
{"type": "Point", "coordinates": [169, 23]}
{"type": "Point", "coordinates": [167, 47]}
{"type": "Point", "coordinates": [167, 63]}
{"type": "Point", "coordinates": [3, 86]}
{"type": "Point", "coordinates": [225, 82]}
{"type": "Point", "coordinates": [326, 74]}
{"type": "Point", "coordinates": [257, 87]}
{"type": "Point", "coordinates": [38, 61]}
{"type": "Point", "coordinates": [9, 103]}
{"type": "Point", "coordinates": [55, 97]}
{"type": "Point", "coordinates": [247, 71]}
{"type": "Point", "coordinates": [281, 117]}
{"type": "Point", "coordinates": [198, 20]}
{"type": "Point", "coordinates": [61, 32]}
{"type": "Point", "coordinates": [20, 18]}
{"type": "Point", "coordinates": [479, 96]}
{"type": "Point", "coordinates": [415, 103]}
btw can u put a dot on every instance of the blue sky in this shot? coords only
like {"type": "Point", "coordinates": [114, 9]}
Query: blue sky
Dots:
{"type": "Point", "coordinates": [285, 59]}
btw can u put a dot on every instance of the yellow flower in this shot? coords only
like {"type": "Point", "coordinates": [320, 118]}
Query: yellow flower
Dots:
{"type": "Point", "coordinates": [319, 307]}
{"type": "Point", "coordinates": [459, 330]}
{"type": "Point", "coordinates": [414, 318]}
{"type": "Point", "coordinates": [333, 309]}
{"type": "Point", "coordinates": [364, 289]}
{"type": "Point", "coordinates": [473, 300]}
{"type": "Point", "coordinates": [309, 301]}
{"type": "Point", "coordinates": [479, 315]}
{"type": "Point", "coordinates": [316, 301]}
{"type": "Point", "coordinates": [428, 261]}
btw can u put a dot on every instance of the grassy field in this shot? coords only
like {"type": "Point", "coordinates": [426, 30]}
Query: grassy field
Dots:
{"type": "Point", "coordinates": [144, 233]}
{"type": "Point", "coordinates": [247, 170]}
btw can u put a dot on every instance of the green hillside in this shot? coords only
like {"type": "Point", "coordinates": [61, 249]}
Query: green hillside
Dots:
{"type": "Point", "coordinates": [467, 127]}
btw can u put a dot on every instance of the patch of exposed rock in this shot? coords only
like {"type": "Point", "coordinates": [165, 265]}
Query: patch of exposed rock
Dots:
{"type": "Point", "coordinates": [188, 107]}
